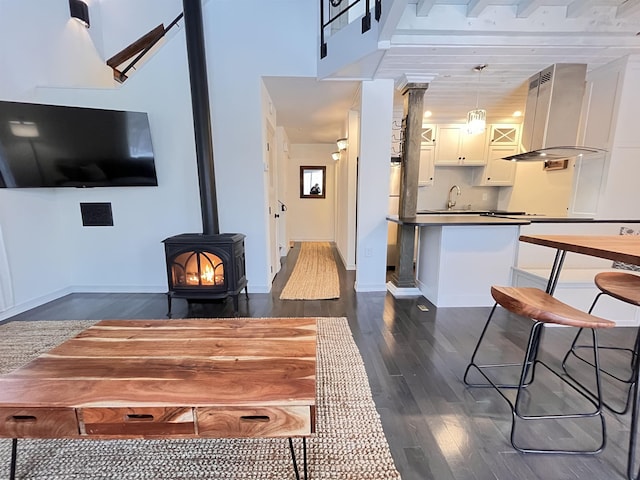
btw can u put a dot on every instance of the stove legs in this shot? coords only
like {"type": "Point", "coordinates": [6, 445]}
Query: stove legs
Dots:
{"type": "Point", "coordinates": [205, 300]}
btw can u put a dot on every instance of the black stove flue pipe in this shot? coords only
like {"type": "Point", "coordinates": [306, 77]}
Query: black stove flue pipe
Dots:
{"type": "Point", "coordinates": [194, 33]}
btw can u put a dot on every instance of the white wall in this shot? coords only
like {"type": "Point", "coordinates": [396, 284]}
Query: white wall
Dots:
{"type": "Point", "coordinates": [620, 196]}
{"type": "Point", "coordinates": [245, 41]}
{"type": "Point", "coordinates": [48, 252]}
{"type": "Point", "coordinates": [541, 191]}
{"type": "Point", "coordinates": [310, 219]}
{"type": "Point", "coordinates": [346, 183]}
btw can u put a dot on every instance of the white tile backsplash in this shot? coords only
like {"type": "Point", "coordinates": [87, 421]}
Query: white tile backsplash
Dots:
{"type": "Point", "coordinates": [434, 197]}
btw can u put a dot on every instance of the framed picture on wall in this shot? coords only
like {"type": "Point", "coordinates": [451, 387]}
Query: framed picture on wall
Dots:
{"type": "Point", "coordinates": [555, 164]}
{"type": "Point", "coordinates": [313, 181]}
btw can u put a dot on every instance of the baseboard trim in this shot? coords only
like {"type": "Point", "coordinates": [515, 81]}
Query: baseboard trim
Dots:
{"type": "Point", "coordinates": [399, 292]}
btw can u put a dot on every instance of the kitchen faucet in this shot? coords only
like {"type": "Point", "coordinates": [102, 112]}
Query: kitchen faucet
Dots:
{"type": "Point", "coordinates": [452, 203]}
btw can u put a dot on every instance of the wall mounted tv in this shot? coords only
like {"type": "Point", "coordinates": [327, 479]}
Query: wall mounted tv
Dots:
{"type": "Point", "coordinates": [60, 146]}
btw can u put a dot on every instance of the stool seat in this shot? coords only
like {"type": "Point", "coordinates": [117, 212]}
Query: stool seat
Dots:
{"type": "Point", "coordinates": [542, 307]}
{"type": "Point", "coordinates": [621, 285]}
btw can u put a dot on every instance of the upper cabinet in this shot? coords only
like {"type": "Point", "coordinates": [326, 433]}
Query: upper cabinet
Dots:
{"type": "Point", "coordinates": [503, 142]}
{"type": "Point", "coordinates": [504, 134]}
{"type": "Point", "coordinates": [455, 147]}
{"type": "Point", "coordinates": [428, 136]}
{"type": "Point", "coordinates": [427, 167]}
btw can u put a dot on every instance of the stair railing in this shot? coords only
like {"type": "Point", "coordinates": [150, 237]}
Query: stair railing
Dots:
{"type": "Point", "coordinates": [366, 19]}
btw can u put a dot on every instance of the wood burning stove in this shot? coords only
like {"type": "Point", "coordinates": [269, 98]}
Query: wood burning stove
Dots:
{"type": "Point", "coordinates": [203, 266]}
{"type": "Point", "coordinates": [208, 265]}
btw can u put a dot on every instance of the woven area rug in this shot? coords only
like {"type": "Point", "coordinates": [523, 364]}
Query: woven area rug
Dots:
{"type": "Point", "coordinates": [349, 443]}
{"type": "Point", "coordinates": [314, 276]}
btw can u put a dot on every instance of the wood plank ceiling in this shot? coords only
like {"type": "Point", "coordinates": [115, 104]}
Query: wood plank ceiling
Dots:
{"type": "Point", "coordinates": [440, 41]}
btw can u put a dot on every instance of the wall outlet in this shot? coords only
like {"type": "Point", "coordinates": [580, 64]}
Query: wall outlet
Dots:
{"type": "Point", "coordinates": [484, 196]}
{"type": "Point", "coordinates": [368, 252]}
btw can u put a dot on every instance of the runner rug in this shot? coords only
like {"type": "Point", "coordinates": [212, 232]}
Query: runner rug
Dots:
{"type": "Point", "coordinates": [314, 276]}
{"type": "Point", "coordinates": [349, 443]}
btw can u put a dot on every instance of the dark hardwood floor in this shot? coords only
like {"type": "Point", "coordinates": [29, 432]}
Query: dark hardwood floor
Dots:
{"type": "Point", "coordinates": [436, 427]}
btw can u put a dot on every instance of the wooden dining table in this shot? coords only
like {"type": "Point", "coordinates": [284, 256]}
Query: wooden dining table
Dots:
{"type": "Point", "coordinates": [621, 248]}
{"type": "Point", "coordinates": [167, 379]}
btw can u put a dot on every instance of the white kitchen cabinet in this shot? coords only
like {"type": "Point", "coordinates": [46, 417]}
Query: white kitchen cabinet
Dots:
{"type": "Point", "coordinates": [497, 172]}
{"type": "Point", "coordinates": [504, 134]}
{"type": "Point", "coordinates": [455, 147]}
{"type": "Point", "coordinates": [427, 167]}
{"type": "Point", "coordinates": [503, 142]}
{"type": "Point", "coordinates": [428, 135]}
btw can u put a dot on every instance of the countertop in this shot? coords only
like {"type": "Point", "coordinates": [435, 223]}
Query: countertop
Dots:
{"type": "Point", "coordinates": [470, 219]}
{"type": "Point", "coordinates": [441, 219]}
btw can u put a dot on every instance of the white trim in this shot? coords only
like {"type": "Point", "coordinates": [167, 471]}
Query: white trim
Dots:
{"type": "Point", "coordinates": [399, 292]}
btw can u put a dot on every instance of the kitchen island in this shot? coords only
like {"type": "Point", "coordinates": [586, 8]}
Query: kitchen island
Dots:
{"type": "Point", "coordinates": [460, 256]}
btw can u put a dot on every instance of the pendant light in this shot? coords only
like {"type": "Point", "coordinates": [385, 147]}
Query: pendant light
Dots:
{"type": "Point", "coordinates": [477, 118]}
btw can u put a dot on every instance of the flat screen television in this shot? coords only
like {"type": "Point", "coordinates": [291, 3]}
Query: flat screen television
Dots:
{"type": "Point", "coordinates": [61, 146]}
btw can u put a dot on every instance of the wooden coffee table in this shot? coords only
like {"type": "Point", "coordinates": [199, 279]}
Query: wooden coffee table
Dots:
{"type": "Point", "coordinates": [164, 379]}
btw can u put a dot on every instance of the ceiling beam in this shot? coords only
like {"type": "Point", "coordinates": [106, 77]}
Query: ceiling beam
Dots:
{"type": "Point", "coordinates": [527, 7]}
{"type": "Point", "coordinates": [628, 7]}
{"type": "Point", "coordinates": [390, 21]}
{"type": "Point", "coordinates": [423, 7]}
{"type": "Point", "coordinates": [476, 7]}
{"type": "Point", "coordinates": [582, 7]}
{"type": "Point", "coordinates": [578, 8]}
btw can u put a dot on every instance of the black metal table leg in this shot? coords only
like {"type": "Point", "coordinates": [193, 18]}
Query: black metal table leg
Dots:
{"type": "Point", "coordinates": [304, 450]}
{"type": "Point", "coordinates": [554, 276]}
{"type": "Point", "coordinates": [633, 430]}
{"type": "Point", "coordinates": [304, 456]}
{"type": "Point", "coordinates": [14, 456]}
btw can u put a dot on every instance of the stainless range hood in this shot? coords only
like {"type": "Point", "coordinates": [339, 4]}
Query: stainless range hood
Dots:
{"type": "Point", "coordinates": [552, 114]}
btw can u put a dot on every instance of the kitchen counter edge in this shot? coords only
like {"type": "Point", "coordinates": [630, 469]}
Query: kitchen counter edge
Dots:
{"type": "Point", "coordinates": [435, 220]}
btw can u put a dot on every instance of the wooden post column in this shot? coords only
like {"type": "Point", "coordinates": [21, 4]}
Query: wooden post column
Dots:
{"type": "Point", "coordinates": [404, 276]}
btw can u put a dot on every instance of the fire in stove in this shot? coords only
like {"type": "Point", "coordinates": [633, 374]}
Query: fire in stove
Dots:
{"type": "Point", "coordinates": [197, 268]}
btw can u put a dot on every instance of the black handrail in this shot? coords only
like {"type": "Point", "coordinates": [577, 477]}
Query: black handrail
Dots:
{"type": "Point", "coordinates": [366, 19]}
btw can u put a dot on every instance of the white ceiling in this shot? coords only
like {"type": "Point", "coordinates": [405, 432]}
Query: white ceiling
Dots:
{"type": "Point", "coordinates": [440, 41]}
{"type": "Point", "coordinates": [310, 110]}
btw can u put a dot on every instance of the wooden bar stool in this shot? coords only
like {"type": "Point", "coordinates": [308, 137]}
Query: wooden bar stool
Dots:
{"type": "Point", "coordinates": [542, 309]}
{"type": "Point", "coordinates": [625, 287]}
